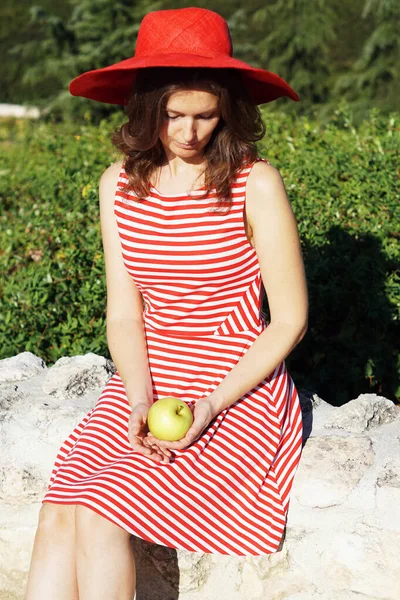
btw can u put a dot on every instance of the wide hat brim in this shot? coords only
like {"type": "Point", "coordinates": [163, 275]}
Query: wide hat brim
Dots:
{"type": "Point", "coordinates": [113, 84]}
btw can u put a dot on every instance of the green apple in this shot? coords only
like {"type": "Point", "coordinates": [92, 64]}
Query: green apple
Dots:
{"type": "Point", "coordinates": [169, 419]}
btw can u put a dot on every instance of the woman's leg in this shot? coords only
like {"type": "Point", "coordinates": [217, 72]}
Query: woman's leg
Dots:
{"type": "Point", "coordinates": [104, 558]}
{"type": "Point", "coordinates": [52, 573]}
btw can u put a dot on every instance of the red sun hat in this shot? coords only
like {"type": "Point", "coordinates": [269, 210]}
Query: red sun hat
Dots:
{"type": "Point", "coordinates": [183, 37]}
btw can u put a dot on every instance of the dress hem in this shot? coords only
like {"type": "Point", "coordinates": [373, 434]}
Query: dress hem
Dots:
{"type": "Point", "coordinates": [148, 539]}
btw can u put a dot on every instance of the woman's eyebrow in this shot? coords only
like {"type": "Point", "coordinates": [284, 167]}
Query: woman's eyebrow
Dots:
{"type": "Point", "coordinates": [210, 110]}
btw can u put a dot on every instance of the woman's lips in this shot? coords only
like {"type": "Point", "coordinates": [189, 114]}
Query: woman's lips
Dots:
{"type": "Point", "coordinates": [186, 146]}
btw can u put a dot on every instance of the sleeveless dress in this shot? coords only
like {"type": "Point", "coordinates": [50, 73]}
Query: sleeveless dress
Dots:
{"type": "Point", "coordinates": [228, 493]}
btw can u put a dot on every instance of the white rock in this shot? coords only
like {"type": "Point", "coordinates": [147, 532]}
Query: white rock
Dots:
{"type": "Point", "coordinates": [387, 512]}
{"type": "Point", "coordinates": [74, 376]}
{"type": "Point", "coordinates": [342, 536]}
{"type": "Point", "coordinates": [252, 587]}
{"type": "Point", "coordinates": [21, 366]}
{"type": "Point", "coordinates": [335, 595]}
{"type": "Point", "coordinates": [364, 561]}
{"type": "Point", "coordinates": [330, 468]}
{"type": "Point", "coordinates": [366, 411]}
{"type": "Point", "coordinates": [17, 533]}
{"type": "Point", "coordinates": [10, 395]}
{"type": "Point", "coordinates": [358, 558]}
{"type": "Point", "coordinates": [194, 569]}
{"type": "Point", "coordinates": [32, 427]}
{"type": "Point", "coordinates": [224, 580]}
{"type": "Point", "coordinates": [278, 577]}
{"type": "Point", "coordinates": [389, 475]}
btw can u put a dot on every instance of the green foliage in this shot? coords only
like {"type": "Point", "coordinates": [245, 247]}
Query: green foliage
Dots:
{"type": "Point", "coordinates": [17, 30]}
{"type": "Point", "coordinates": [96, 33]}
{"type": "Point", "coordinates": [375, 75]}
{"type": "Point", "coordinates": [326, 50]}
{"type": "Point", "coordinates": [342, 181]}
{"type": "Point", "coordinates": [298, 43]}
{"type": "Point", "coordinates": [54, 293]}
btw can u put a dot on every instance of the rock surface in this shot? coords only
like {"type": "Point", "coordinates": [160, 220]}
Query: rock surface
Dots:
{"type": "Point", "coordinates": [74, 376]}
{"type": "Point", "coordinates": [22, 366]}
{"type": "Point", "coordinates": [343, 530]}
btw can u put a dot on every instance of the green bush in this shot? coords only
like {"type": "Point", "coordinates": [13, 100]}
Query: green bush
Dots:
{"type": "Point", "coordinates": [54, 293]}
{"type": "Point", "coordinates": [342, 182]}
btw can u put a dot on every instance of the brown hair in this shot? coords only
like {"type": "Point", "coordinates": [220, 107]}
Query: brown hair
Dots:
{"type": "Point", "coordinates": [232, 144]}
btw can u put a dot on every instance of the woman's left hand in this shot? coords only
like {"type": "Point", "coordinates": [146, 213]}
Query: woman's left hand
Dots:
{"type": "Point", "coordinates": [203, 414]}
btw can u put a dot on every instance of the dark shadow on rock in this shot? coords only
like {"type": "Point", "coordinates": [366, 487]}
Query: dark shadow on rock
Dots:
{"type": "Point", "coordinates": [307, 405]}
{"type": "Point", "coordinates": [350, 345]}
{"type": "Point", "coordinates": [157, 572]}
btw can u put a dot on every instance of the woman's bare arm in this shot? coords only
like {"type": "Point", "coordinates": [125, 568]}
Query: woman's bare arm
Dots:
{"type": "Point", "coordinates": [125, 329]}
{"type": "Point", "coordinates": [276, 241]}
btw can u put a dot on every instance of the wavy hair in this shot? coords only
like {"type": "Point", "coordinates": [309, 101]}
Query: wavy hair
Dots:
{"type": "Point", "coordinates": [230, 148]}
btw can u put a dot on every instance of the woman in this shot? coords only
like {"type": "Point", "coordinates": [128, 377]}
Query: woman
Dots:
{"type": "Point", "coordinates": [193, 224]}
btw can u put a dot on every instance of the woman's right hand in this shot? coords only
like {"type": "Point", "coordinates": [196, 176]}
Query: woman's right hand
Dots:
{"type": "Point", "coordinates": [137, 431]}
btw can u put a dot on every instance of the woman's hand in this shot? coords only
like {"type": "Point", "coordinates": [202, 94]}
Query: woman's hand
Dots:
{"type": "Point", "coordinates": [137, 431]}
{"type": "Point", "coordinates": [203, 414]}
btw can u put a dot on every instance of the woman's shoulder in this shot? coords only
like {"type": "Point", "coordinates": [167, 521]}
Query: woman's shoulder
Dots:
{"type": "Point", "coordinates": [261, 168]}
{"type": "Point", "coordinates": [265, 189]}
{"type": "Point", "coordinates": [109, 181]}
{"type": "Point", "coordinates": [112, 172]}
{"type": "Point", "coordinates": [262, 175]}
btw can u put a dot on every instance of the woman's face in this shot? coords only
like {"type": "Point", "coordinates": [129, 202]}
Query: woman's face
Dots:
{"type": "Point", "coordinates": [189, 120]}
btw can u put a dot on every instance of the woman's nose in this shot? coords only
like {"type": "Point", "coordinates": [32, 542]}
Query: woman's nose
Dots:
{"type": "Point", "coordinates": [189, 130]}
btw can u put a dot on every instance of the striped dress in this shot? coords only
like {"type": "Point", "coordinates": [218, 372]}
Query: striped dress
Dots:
{"type": "Point", "coordinates": [228, 493]}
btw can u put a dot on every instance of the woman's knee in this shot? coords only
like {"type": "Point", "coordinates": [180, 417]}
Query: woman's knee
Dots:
{"type": "Point", "coordinates": [90, 525]}
{"type": "Point", "coordinates": [55, 518]}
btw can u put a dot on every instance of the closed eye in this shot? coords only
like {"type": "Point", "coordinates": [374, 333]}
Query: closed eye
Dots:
{"type": "Point", "coordinates": [174, 117]}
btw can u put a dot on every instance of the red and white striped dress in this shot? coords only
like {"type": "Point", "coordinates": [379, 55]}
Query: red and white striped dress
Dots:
{"type": "Point", "coordinates": [228, 493]}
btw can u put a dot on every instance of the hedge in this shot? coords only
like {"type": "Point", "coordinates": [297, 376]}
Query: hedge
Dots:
{"type": "Point", "coordinates": [343, 184]}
